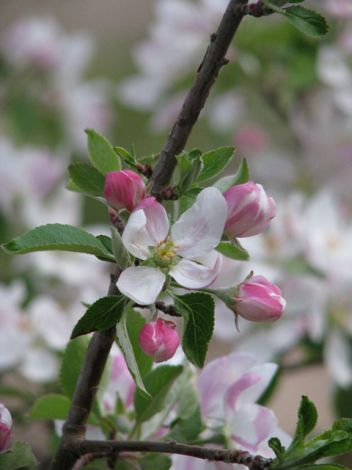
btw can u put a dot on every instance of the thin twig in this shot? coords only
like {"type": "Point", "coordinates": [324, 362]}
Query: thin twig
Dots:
{"type": "Point", "coordinates": [206, 453]}
{"type": "Point", "coordinates": [207, 73]}
{"type": "Point", "coordinates": [87, 458]}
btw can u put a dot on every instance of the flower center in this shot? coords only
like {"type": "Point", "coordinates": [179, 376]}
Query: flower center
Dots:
{"type": "Point", "coordinates": [165, 252]}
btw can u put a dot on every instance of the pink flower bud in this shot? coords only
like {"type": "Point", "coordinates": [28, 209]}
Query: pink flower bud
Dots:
{"type": "Point", "coordinates": [259, 300]}
{"type": "Point", "coordinates": [5, 428]}
{"type": "Point", "coordinates": [159, 339]}
{"type": "Point", "coordinates": [124, 189]}
{"type": "Point", "coordinates": [250, 210]}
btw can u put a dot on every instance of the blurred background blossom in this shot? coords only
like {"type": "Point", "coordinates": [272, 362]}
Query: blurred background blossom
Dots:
{"type": "Point", "coordinates": [284, 101]}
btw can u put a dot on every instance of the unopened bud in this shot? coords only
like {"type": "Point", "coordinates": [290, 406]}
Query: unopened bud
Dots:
{"type": "Point", "coordinates": [259, 300]}
{"type": "Point", "coordinates": [124, 189]}
{"type": "Point", "coordinates": [250, 210]}
{"type": "Point", "coordinates": [159, 339]}
{"type": "Point", "coordinates": [5, 428]}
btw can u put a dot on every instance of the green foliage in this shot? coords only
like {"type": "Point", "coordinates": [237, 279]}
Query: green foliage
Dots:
{"type": "Point", "coordinates": [189, 166]}
{"type": "Point", "coordinates": [155, 461]}
{"type": "Point", "coordinates": [86, 179]}
{"type": "Point", "coordinates": [19, 457]}
{"type": "Point", "coordinates": [188, 424]}
{"type": "Point", "coordinates": [139, 364]}
{"type": "Point", "coordinates": [101, 153]}
{"type": "Point", "coordinates": [307, 419]}
{"type": "Point", "coordinates": [158, 383]}
{"type": "Point", "coordinates": [241, 176]}
{"type": "Point", "coordinates": [197, 310]}
{"type": "Point", "coordinates": [57, 237]}
{"type": "Point", "coordinates": [214, 162]}
{"type": "Point", "coordinates": [233, 251]}
{"type": "Point", "coordinates": [303, 454]}
{"type": "Point", "coordinates": [51, 406]}
{"type": "Point", "coordinates": [72, 364]}
{"type": "Point", "coordinates": [103, 314]}
{"type": "Point", "coordinates": [122, 256]}
{"type": "Point", "coordinates": [306, 21]}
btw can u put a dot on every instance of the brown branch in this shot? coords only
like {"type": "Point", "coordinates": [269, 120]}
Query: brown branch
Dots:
{"type": "Point", "coordinates": [86, 388]}
{"type": "Point", "coordinates": [100, 345]}
{"type": "Point", "coordinates": [205, 453]}
{"type": "Point", "coordinates": [207, 73]}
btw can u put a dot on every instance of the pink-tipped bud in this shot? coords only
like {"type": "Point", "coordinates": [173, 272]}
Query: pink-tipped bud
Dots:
{"type": "Point", "coordinates": [159, 339]}
{"type": "Point", "coordinates": [5, 428]}
{"type": "Point", "coordinates": [259, 300]}
{"type": "Point", "coordinates": [250, 210]}
{"type": "Point", "coordinates": [124, 189]}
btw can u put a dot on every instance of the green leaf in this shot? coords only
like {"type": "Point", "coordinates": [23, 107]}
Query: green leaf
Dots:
{"type": "Point", "coordinates": [51, 406]}
{"type": "Point", "coordinates": [121, 255]}
{"type": "Point", "coordinates": [214, 162]}
{"type": "Point", "coordinates": [19, 457]}
{"type": "Point", "coordinates": [101, 153]}
{"type": "Point", "coordinates": [57, 237]}
{"type": "Point", "coordinates": [155, 462]}
{"type": "Point", "coordinates": [233, 251]}
{"type": "Point", "coordinates": [241, 176]}
{"type": "Point", "coordinates": [103, 314]}
{"type": "Point", "coordinates": [323, 466]}
{"type": "Point", "coordinates": [198, 312]}
{"type": "Point", "coordinates": [188, 424]}
{"type": "Point", "coordinates": [158, 383]}
{"type": "Point", "coordinates": [128, 330]}
{"type": "Point", "coordinates": [87, 179]}
{"type": "Point", "coordinates": [307, 21]}
{"type": "Point", "coordinates": [278, 448]}
{"type": "Point", "coordinates": [72, 364]}
{"type": "Point", "coordinates": [307, 419]}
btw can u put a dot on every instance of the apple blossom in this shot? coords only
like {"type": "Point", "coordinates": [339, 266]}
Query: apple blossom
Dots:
{"type": "Point", "coordinates": [250, 210]}
{"type": "Point", "coordinates": [5, 428]}
{"type": "Point", "coordinates": [159, 339]}
{"type": "Point", "coordinates": [124, 189]}
{"type": "Point", "coordinates": [228, 388]}
{"type": "Point", "coordinates": [187, 255]}
{"type": "Point", "coordinates": [259, 300]}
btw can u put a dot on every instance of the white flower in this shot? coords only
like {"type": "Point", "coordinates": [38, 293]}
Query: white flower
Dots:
{"type": "Point", "coordinates": [187, 255]}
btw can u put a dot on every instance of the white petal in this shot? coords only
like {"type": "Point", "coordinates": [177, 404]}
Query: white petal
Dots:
{"type": "Point", "coordinates": [337, 357]}
{"type": "Point", "coordinates": [195, 275]}
{"type": "Point", "coordinates": [141, 284]}
{"type": "Point", "coordinates": [135, 237]}
{"type": "Point", "coordinates": [147, 226]}
{"type": "Point", "coordinates": [231, 273]}
{"type": "Point", "coordinates": [251, 425]}
{"type": "Point", "coordinates": [40, 365]}
{"type": "Point", "coordinates": [200, 228]}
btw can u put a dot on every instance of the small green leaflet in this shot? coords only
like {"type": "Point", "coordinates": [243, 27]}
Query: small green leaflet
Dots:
{"type": "Point", "coordinates": [86, 179]}
{"type": "Point", "coordinates": [158, 383]}
{"type": "Point", "coordinates": [103, 314]}
{"type": "Point", "coordinates": [241, 176]}
{"type": "Point", "coordinates": [214, 162]}
{"type": "Point", "coordinates": [19, 457]}
{"type": "Point", "coordinates": [101, 153]}
{"type": "Point", "coordinates": [51, 406]}
{"type": "Point", "coordinates": [58, 237]}
{"type": "Point", "coordinates": [139, 364]}
{"type": "Point", "coordinates": [307, 419]}
{"type": "Point", "coordinates": [197, 310]}
{"type": "Point", "coordinates": [307, 21]}
{"type": "Point", "coordinates": [72, 364]}
{"type": "Point", "coordinates": [233, 251]}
